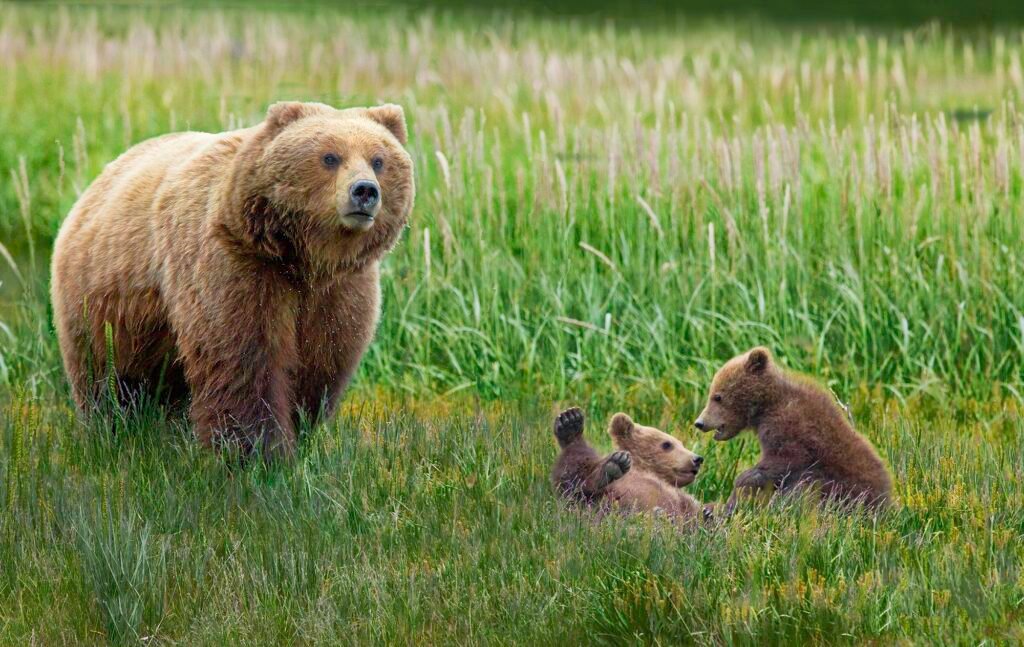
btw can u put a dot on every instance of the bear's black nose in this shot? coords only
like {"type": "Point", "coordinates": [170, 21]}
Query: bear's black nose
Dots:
{"type": "Point", "coordinates": [698, 460]}
{"type": "Point", "coordinates": [699, 425]}
{"type": "Point", "coordinates": [365, 195]}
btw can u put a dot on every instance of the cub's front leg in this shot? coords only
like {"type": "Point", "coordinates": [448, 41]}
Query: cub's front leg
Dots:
{"type": "Point", "coordinates": [747, 485]}
{"type": "Point", "coordinates": [237, 344]}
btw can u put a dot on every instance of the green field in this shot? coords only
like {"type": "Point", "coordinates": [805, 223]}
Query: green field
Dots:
{"type": "Point", "coordinates": [605, 213]}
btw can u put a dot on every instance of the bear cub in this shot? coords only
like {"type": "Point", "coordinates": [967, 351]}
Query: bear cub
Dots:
{"type": "Point", "coordinates": [806, 440]}
{"type": "Point", "coordinates": [645, 474]}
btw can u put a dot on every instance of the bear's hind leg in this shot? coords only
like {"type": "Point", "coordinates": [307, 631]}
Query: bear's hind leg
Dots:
{"type": "Point", "coordinates": [569, 426]}
{"type": "Point", "coordinates": [112, 346]}
{"type": "Point", "coordinates": [612, 469]}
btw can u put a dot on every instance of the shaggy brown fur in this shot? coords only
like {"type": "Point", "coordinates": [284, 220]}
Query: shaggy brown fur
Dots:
{"type": "Point", "coordinates": [806, 440]}
{"type": "Point", "coordinates": [644, 475]}
{"type": "Point", "coordinates": [239, 267]}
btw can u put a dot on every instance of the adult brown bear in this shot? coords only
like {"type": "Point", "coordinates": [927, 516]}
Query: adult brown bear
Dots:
{"type": "Point", "coordinates": [241, 267]}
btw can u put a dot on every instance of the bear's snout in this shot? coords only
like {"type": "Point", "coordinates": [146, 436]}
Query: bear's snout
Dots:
{"type": "Point", "coordinates": [362, 206]}
{"type": "Point", "coordinates": [699, 424]}
{"type": "Point", "coordinates": [365, 196]}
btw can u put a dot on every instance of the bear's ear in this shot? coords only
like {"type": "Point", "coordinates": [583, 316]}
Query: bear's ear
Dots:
{"type": "Point", "coordinates": [758, 359]}
{"type": "Point", "coordinates": [392, 117]}
{"type": "Point", "coordinates": [282, 113]}
{"type": "Point", "coordinates": [621, 426]}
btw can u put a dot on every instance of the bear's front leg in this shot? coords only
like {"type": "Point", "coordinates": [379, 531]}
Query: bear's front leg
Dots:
{"type": "Point", "coordinates": [239, 354]}
{"type": "Point", "coordinates": [747, 484]}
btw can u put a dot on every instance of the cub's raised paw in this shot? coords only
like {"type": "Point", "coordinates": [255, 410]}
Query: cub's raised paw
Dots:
{"type": "Point", "coordinates": [617, 465]}
{"type": "Point", "coordinates": [569, 425]}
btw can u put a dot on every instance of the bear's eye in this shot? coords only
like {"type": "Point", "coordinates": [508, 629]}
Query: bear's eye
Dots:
{"type": "Point", "coordinates": [331, 160]}
{"type": "Point", "coordinates": [716, 397]}
{"type": "Point", "coordinates": [666, 445]}
{"type": "Point", "coordinates": [378, 164]}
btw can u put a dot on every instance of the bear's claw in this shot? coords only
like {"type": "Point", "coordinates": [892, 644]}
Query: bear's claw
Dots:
{"type": "Point", "coordinates": [708, 512]}
{"type": "Point", "coordinates": [617, 465]}
{"type": "Point", "coordinates": [569, 425]}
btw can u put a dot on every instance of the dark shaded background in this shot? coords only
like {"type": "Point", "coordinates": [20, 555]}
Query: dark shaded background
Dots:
{"type": "Point", "coordinates": [952, 13]}
{"type": "Point", "coordinates": [907, 12]}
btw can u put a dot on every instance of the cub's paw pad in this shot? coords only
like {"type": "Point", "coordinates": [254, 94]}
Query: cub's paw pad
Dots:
{"type": "Point", "coordinates": [617, 465]}
{"type": "Point", "coordinates": [569, 425]}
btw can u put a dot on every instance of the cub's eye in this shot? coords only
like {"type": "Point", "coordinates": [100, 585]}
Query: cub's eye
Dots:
{"type": "Point", "coordinates": [331, 160]}
{"type": "Point", "coordinates": [378, 164]}
{"type": "Point", "coordinates": [716, 397]}
{"type": "Point", "coordinates": [666, 445]}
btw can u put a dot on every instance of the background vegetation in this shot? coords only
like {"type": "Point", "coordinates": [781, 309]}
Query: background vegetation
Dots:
{"type": "Point", "coordinates": [605, 213]}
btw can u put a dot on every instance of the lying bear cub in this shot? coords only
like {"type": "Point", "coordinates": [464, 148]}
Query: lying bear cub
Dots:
{"type": "Point", "coordinates": [807, 443]}
{"type": "Point", "coordinates": [645, 474]}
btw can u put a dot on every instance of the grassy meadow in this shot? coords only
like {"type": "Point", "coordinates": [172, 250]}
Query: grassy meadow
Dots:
{"type": "Point", "coordinates": [605, 213]}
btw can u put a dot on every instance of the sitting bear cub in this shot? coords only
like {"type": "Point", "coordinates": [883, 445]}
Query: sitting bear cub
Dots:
{"type": "Point", "coordinates": [806, 440]}
{"type": "Point", "coordinates": [644, 475]}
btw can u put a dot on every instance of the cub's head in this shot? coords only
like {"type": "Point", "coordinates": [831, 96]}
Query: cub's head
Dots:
{"type": "Point", "coordinates": [338, 183]}
{"type": "Point", "coordinates": [740, 391]}
{"type": "Point", "coordinates": [655, 451]}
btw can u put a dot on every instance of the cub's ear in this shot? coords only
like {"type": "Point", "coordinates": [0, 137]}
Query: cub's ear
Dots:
{"type": "Point", "coordinates": [392, 117]}
{"type": "Point", "coordinates": [758, 359]}
{"type": "Point", "coordinates": [282, 113]}
{"type": "Point", "coordinates": [621, 426]}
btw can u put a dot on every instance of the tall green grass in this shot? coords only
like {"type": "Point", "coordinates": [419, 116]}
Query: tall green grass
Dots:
{"type": "Point", "coordinates": [596, 207]}
{"type": "Point", "coordinates": [604, 214]}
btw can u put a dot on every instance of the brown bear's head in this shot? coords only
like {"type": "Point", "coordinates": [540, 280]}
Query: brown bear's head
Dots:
{"type": "Point", "coordinates": [655, 451]}
{"type": "Point", "coordinates": [334, 185]}
{"type": "Point", "coordinates": [740, 392]}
